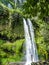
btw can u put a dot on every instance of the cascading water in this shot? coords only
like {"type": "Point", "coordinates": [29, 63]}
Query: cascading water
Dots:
{"type": "Point", "coordinates": [34, 49]}
{"type": "Point", "coordinates": [9, 5]}
{"type": "Point", "coordinates": [28, 45]}
{"type": "Point", "coordinates": [31, 51]}
{"type": "Point", "coordinates": [19, 1]}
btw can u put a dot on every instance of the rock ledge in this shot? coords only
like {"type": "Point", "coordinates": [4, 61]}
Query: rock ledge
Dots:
{"type": "Point", "coordinates": [23, 63]}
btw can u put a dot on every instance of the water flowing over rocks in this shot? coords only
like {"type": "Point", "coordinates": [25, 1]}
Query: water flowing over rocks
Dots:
{"type": "Point", "coordinates": [41, 63]}
{"type": "Point", "coordinates": [31, 50]}
{"type": "Point", "coordinates": [37, 63]}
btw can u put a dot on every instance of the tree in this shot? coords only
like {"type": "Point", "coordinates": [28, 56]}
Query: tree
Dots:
{"type": "Point", "coordinates": [38, 8]}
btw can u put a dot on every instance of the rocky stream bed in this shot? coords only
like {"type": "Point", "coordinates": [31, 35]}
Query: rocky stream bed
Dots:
{"type": "Point", "coordinates": [23, 63]}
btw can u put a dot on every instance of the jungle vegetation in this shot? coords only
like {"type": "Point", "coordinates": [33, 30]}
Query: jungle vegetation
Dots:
{"type": "Point", "coordinates": [12, 30]}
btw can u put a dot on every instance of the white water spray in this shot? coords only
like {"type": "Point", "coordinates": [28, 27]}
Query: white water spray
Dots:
{"type": "Point", "coordinates": [9, 5]}
{"type": "Point", "coordinates": [34, 49]}
{"type": "Point", "coordinates": [28, 45]}
{"type": "Point", "coordinates": [31, 51]}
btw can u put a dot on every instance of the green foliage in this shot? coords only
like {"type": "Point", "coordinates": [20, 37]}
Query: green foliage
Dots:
{"type": "Point", "coordinates": [42, 44]}
{"type": "Point", "coordinates": [38, 8]}
{"type": "Point", "coordinates": [11, 26]}
{"type": "Point", "coordinates": [2, 41]}
{"type": "Point", "coordinates": [10, 52]}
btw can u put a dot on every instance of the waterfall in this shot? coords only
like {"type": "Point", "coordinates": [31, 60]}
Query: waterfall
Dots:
{"type": "Point", "coordinates": [20, 1]}
{"type": "Point", "coordinates": [9, 5]}
{"type": "Point", "coordinates": [31, 50]}
{"type": "Point", "coordinates": [28, 45]}
{"type": "Point", "coordinates": [34, 49]}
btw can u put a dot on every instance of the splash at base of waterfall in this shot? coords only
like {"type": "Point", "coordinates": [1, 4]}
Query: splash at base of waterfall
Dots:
{"type": "Point", "coordinates": [28, 63]}
{"type": "Point", "coordinates": [31, 50]}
